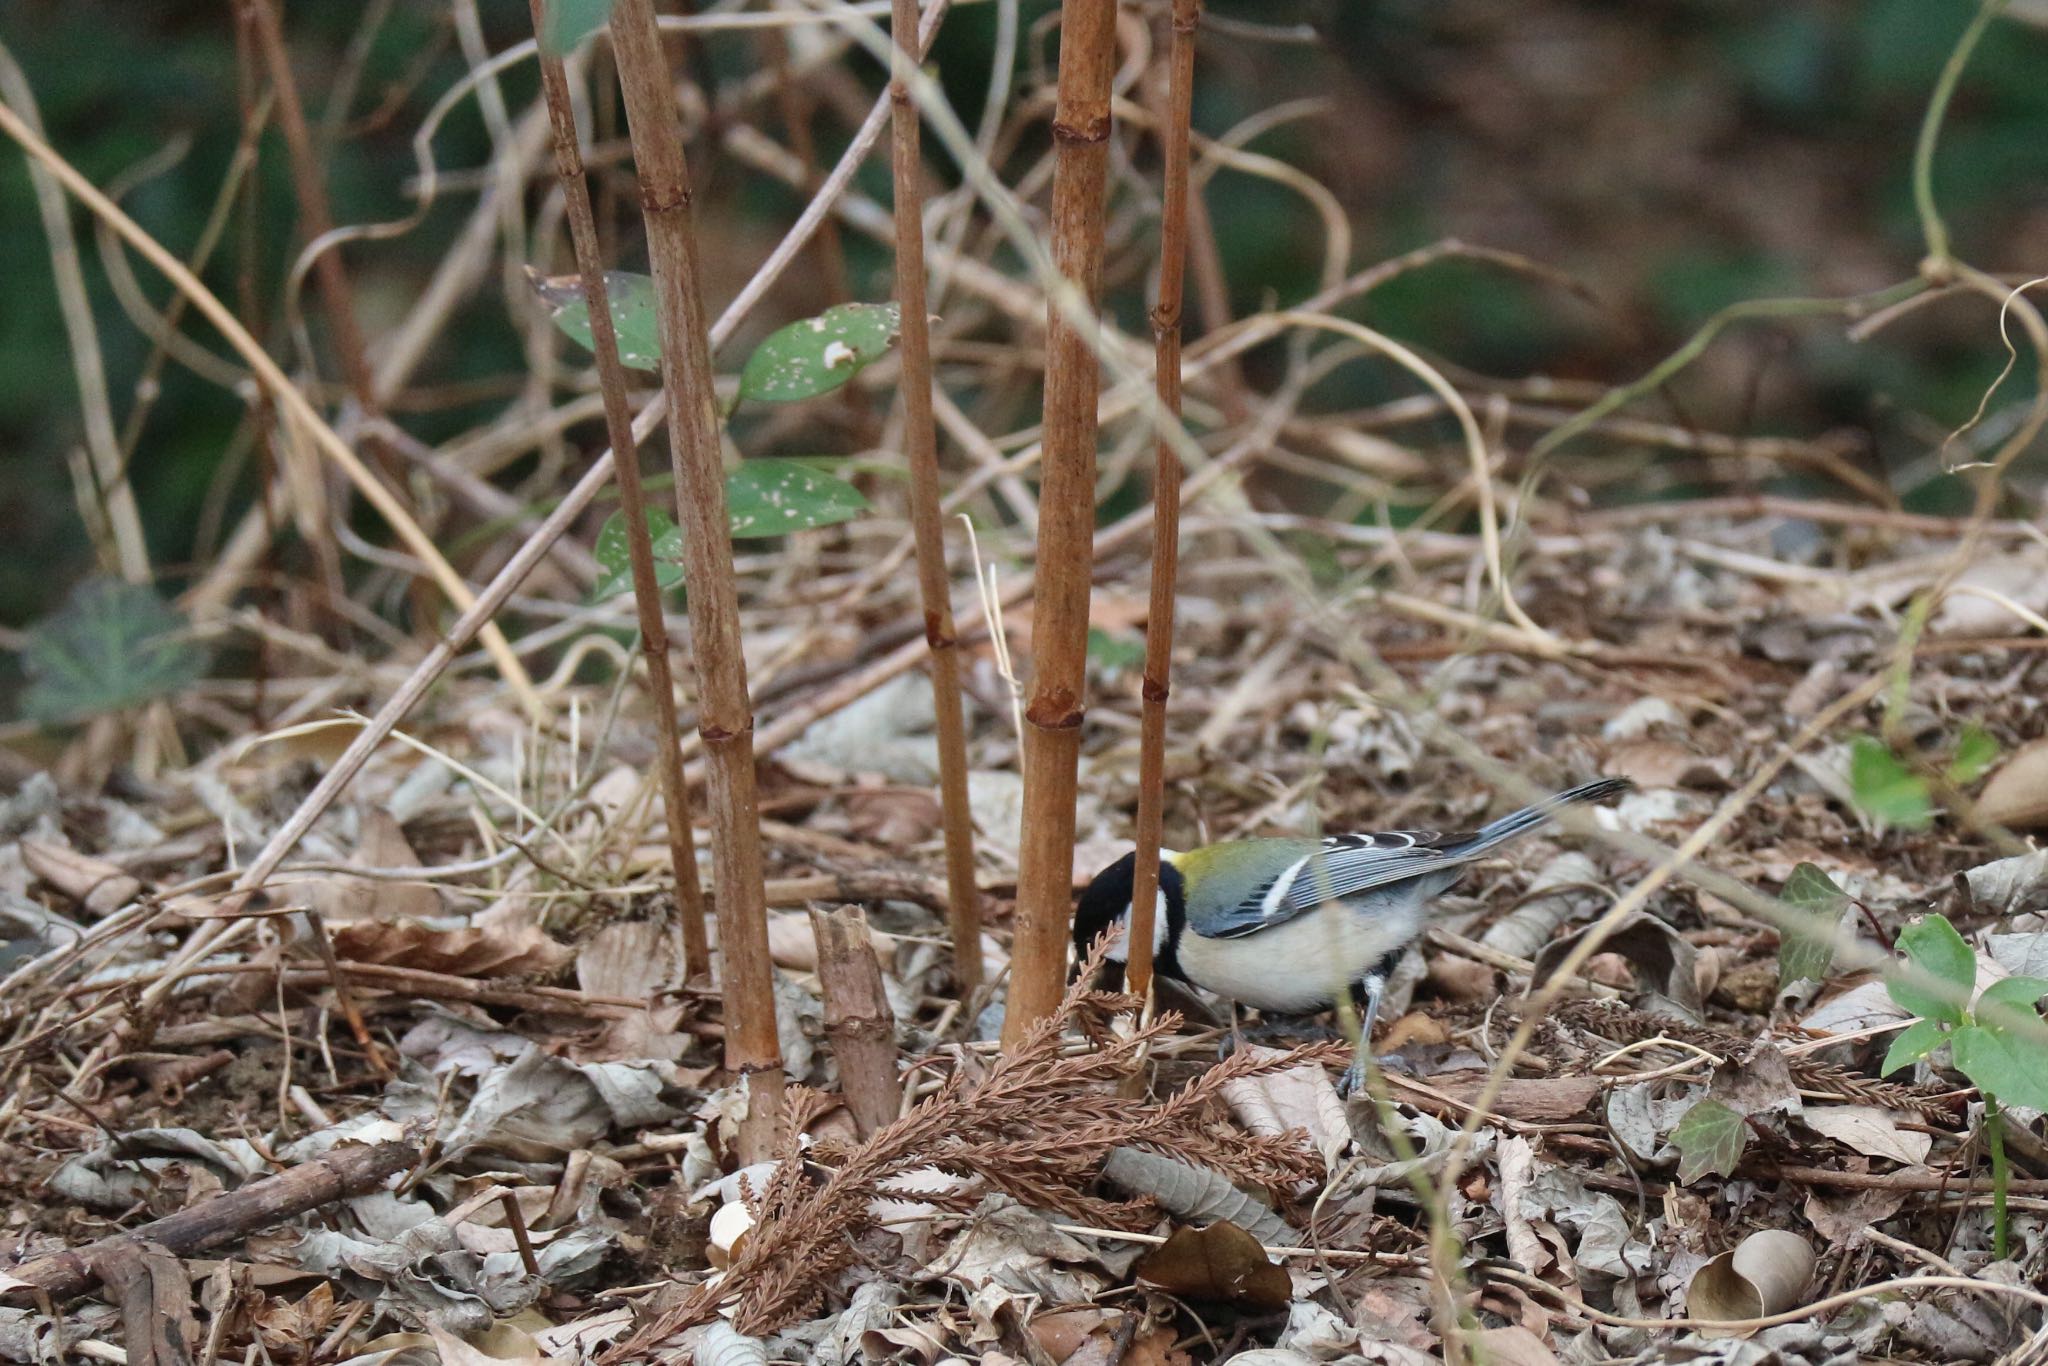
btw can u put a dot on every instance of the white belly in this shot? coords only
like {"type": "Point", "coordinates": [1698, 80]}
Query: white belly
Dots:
{"type": "Point", "coordinates": [1307, 964]}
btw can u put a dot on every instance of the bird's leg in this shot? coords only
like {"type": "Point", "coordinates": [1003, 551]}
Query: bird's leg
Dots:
{"type": "Point", "coordinates": [1365, 995]}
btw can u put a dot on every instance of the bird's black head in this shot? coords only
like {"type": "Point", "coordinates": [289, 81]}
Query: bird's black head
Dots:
{"type": "Point", "coordinates": [1106, 906]}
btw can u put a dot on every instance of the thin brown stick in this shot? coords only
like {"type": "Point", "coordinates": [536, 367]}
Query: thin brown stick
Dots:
{"type": "Point", "coordinates": [857, 1018]}
{"type": "Point", "coordinates": [332, 1176]}
{"type": "Point", "coordinates": [618, 416]}
{"type": "Point", "coordinates": [920, 443]}
{"type": "Point", "coordinates": [725, 722]}
{"type": "Point", "coordinates": [1166, 473]}
{"type": "Point", "coordinates": [1066, 526]}
{"type": "Point", "coordinates": [317, 221]}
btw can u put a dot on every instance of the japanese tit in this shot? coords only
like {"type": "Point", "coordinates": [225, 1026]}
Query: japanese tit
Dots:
{"type": "Point", "coordinates": [1284, 925]}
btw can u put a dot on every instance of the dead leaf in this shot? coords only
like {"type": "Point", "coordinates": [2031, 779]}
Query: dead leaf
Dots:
{"type": "Point", "coordinates": [1841, 1219]}
{"type": "Point", "coordinates": [382, 846]}
{"type": "Point", "coordinates": [1666, 763]}
{"type": "Point", "coordinates": [1766, 1273]}
{"type": "Point", "coordinates": [1661, 957]}
{"type": "Point", "coordinates": [1299, 1098]}
{"type": "Point", "coordinates": [1221, 1263]}
{"type": "Point", "coordinates": [629, 958]}
{"type": "Point", "coordinates": [458, 953]}
{"type": "Point", "coordinates": [99, 886]}
{"type": "Point", "coordinates": [2017, 795]}
{"type": "Point", "coordinates": [1870, 1131]}
{"type": "Point", "coordinates": [1512, 1346]}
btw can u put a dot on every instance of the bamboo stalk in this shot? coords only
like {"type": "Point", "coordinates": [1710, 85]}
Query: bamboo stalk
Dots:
{"type": "Point", "coordinates": [618, 415]}
{"type": "Point", "coordinates": [725, 720]}
{"type": "Point", "coordinates": [1066, 525]}
{"type": "Point", "coordinates": [1173, 251]}
{"type": "Point", "coordinates": [920, 442]}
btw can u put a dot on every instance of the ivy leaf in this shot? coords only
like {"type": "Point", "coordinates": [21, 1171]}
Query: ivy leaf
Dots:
{"type": "Point", "coordinates": [1932, 946]}
{"type": "Point", "coordinates": [615, 555]}
{"type": "Point", "coordinates": [2004, 1063]}
{"type": "Point", "coordinates": [1885, 788]}
{"type": "Point", "coordinates": [1710, 1140]}
{"type": "Point", "coordinates": [632, 304]}
{"type": "Point", "coordinates": [819, 354]}
{"type": "Point", "coordinates": [774, 497]}
{"type": "Point", "coordinates": [1913, 1043]}
{"type": "Point", "coordinates": [1806, 943]}
{"type": "Point", "coordinates": [1976, 755]}
{"type": "Point", "coordinates": [569, 22]}
{"type": "Point", "coordinates": [112, 646]}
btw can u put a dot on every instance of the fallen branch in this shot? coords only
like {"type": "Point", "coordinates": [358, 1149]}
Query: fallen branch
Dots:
{"type": "Point", "coordinates": [332, 1176]}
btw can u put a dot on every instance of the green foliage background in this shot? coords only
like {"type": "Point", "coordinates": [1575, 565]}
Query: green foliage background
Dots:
{"type": "Point", "coordinates": [1675, 157]}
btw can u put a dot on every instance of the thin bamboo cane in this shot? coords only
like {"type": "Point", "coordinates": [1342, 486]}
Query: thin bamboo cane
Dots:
{"type": "Point", "coordinates": [1173, 251]}
{"type": "Point", "coordinates": [1066, 525]}
{"type": "Point", "coordinates": [920, 441]}
{"type": "Point", "coordinates": [725, 721]}
{"type": "Point", "coordinates": [618, 414]}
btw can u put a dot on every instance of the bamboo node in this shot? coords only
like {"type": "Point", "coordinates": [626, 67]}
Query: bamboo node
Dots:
{"type": "Point", "coordinates": [938, 632]}
{"type": "Point", "coordinates": [664, 199]}
{"type": "Point", "coordinates": [1056, 709]}
{"type": "Point", "coordinates": [715, 734]}
{"type": "Point", "coordinates": [1096, 129]}
{"type": "Point", "coordinates": [1155, 692]}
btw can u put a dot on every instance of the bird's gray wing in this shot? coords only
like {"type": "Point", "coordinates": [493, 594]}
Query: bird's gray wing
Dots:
{"type": "Point", "coordinates": [1342, 866]}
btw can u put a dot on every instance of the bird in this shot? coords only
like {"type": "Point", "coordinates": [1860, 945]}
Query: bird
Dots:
{"type": "Point", "coordinates": [1287, 925]}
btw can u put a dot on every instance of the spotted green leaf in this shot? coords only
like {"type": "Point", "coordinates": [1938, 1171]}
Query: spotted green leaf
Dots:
{"type": "Point", "coordinates": [112, 646]}
{"type": "Point", "coordinates": [615, 556]}
{"type": "Point", "coordinates": [819, 354]}
{"type": "Point", "coordinates": [1710, 1140]}
{"type": "Point", "coordinates": [1806, 944]}
{"type": "Point", "coordinates": [775, 497]}
{"type": "Point", "coordinates": [632, 308]}
{"type": "Point", "coordinates": [762, 498]}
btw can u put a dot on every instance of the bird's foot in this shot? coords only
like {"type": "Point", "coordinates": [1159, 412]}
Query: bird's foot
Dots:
{"type": "Point", "coordinates": [1352, 1083]}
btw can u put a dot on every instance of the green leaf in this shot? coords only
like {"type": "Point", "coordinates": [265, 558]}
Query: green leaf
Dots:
{"type": "Point", "coordinates": [1976, 755]}
{"type": "Point", "coordinates": [1933, 947]}
{"type": "Point", "coordinates": [569, 22]}
{"type": "Point", "coordinates": [2003, 1061]}
{"type": "Point", "coordinates": [1806, 942]}
{"type": "Point", "coordinates": [615, 556]}
{"type": "Point", "coordinates": [1913, 1043]}
{"type": "Point", "coordinates": [1883, 786]}
{"type": "Point", "coordinates": [112, 646]}
{"type": "Point", "coordinates": [774, 497]}
{"type": "Point", "coordinates": [819, 354]}
{"type": "Point", "coordinates": [1710, 1140]}
{"type": "Point", "coordinates": [1112, 653]}
{"type": "Point", "coordinates": [632, 306]}
{"type": "Point", "coordinates": [2013, 993]}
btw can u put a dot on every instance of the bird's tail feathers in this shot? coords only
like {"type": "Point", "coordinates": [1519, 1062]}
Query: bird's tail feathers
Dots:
{"type": "Point", "coordinates": [1530, 817]}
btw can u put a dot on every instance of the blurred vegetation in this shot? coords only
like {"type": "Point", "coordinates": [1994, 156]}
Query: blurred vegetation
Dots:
{"type": "Point", "coordinates": [1674, 158]}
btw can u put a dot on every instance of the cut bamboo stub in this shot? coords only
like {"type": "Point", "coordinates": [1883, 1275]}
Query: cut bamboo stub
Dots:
{"type": "Point", "coordinates": [858, 1019]}
{"type": "Point", "coordinates": [1066, 520]}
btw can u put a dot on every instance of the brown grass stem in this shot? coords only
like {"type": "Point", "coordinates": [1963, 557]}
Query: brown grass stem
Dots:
{"type": "Point", "coordinates": [725, 719]}
{"type": "Point", "coordinates": [1066, 526]}
{"type": "Point", "coordinates": [1166, 479]}
{"type": "Point", "coordinates": [618, 414]}
{"type": "Point", "coordinates": [920, 444]}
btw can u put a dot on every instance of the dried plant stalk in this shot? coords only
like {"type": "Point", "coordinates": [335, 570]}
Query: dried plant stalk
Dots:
{"type": "Point", "coordinates": [858, 1019]}
{"type": "Point", "coordinates": [618, 416]}
{"type": "Point", "coordinates": [1173, 252]}
{"type": "Point", "coordinates": [1066, 522]}
{"type": "Point", "coordinates": [725, 721]}
{"type": "Point", "coordinates": [920, 442]}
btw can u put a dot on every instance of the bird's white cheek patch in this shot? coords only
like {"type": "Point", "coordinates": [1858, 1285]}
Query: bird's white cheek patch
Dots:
{"type": "Point", "coordinates": [1120, 933]}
